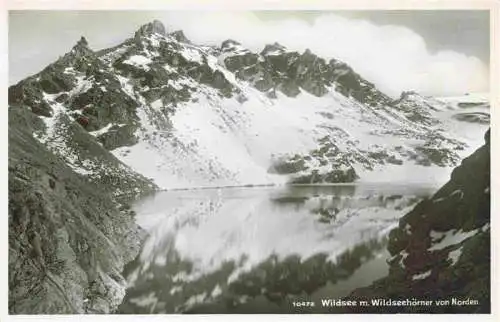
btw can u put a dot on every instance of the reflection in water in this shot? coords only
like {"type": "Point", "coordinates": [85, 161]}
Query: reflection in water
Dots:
{"type": "Point", "coordinates": [255, 250]}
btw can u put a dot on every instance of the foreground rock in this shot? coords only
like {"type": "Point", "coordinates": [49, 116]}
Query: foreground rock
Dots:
{"type": "Point", "coordinates": [441, 249]}
{"type": "Point", "coordinates": [69, 234]}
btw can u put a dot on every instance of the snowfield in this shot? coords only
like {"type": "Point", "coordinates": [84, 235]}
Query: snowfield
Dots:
{"type": "Point", "coordinates": [223, 131]}
{"type": "Point", "coordinates": [212, 141]}
{"type": "Point", "coordinates": [219, 142]}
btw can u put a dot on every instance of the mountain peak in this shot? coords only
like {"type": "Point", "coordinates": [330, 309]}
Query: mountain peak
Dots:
{"type": "Point", "coordinates": [82, 42]}
{"type": "Point", "coordinates": [179, 36]}
{"type": "Point", "coordinates": [273, 49]}
{"type": "Point", "coordinates": [230, 43]}
{"type": "Point", "coordinates": [153, 27]}
{"type": "Point", "coordinates": [81, 48]}
{"type": "Point", "coordinates": [308, 52]}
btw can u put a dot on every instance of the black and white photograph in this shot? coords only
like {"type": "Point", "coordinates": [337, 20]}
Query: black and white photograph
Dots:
{"type": "Point", "coordinates": [249, 161]}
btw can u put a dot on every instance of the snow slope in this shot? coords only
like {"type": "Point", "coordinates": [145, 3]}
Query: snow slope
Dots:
{"type": "Point", "coordinates": [219, 141]}
{"type": "Point", "coordinates": [197, 116]}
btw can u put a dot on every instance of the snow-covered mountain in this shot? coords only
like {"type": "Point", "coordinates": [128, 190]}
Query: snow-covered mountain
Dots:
{"type": "Point", "coordinates": [96, 128]}
{"type": "Point", "coordinates": [187, 115]}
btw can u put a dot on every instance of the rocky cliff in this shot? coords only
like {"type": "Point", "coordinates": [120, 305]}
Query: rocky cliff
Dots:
{"type": "Point", "coordinates": [441, 249]}
{"type": "Point", "coordinates": [69, 234]}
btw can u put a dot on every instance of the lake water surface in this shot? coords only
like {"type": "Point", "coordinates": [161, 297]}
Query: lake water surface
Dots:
{"type": "Point", "coordinates": [258, 250]}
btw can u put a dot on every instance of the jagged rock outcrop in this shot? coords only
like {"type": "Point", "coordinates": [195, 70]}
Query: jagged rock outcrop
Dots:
{"type": "Point", "coordinates": [154, 27]}
{"type": "Point", "coordinates": [326, 164]}
{"type": "Point", "coordinates": [57, 79]}
{"type": "Point", "coordinates": [418, 108]}
{"type": "Point", "coordinates": [334, 159]}
{"type": "Point", "coordinates": [275, 67]}
{"type": "Point", "coordinates": [441, 249]}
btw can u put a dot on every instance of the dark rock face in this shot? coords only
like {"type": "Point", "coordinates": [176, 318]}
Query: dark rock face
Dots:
{"type": "Point", "coordinates": [332, 176]}
{"type": "Point", "coordinates": [56, 78]}
{"type": "Point", "coordinates": [273, 49]}
{"type": "Point", "coordinates": [69, 237]}
{"type": "Point", "coordinates": [28, 95]}
{"type": "Point", "coordinates": [154, 27]}
{"type": "Point", "coordinates": [175, 54]}
{"type": "Point", "coordinates": [327, 164]}
{"type": "Point", "coordinates": [90, 92]}
{"type": "Point", "coordinates": [477, 117]}
{"type": "Point", "coordinates": [70, 233]}
{"type": "Point", "coordinates": [102, 106]}
{"type": "Point", "coordinates": [472, 104]}
{"type": "Point", "coordinates": [415, 108]}
{"type": "Point", "coordinates": [287, 166]}
{"type": "Point", "coordinates": [331, 164]}
{"type": "Point", "coordinates": [117, 136]}
{"type": "Point", "coordinates": [288, 71]}
{"type": "Point", "coordinates": [441, 249]}
{"type": "Point", "coordinates": [234, 63]}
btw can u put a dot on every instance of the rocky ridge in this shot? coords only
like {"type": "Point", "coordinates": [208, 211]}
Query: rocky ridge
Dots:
{"type": "Point", "coordinates": [441, 249]}
{"type": "Point", "coordinates": [276, 68]}
{"type": "Point", "coordinates": [129, 96]}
